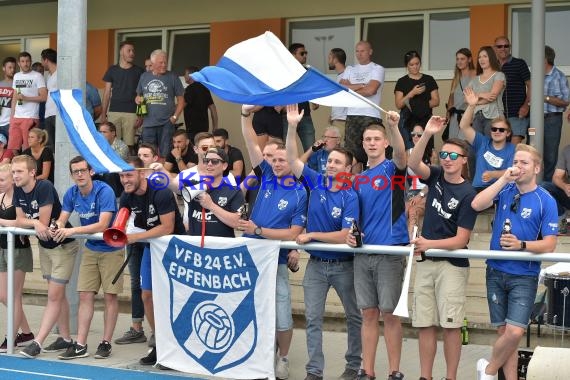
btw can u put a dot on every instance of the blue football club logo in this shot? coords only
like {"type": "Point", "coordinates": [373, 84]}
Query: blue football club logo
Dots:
{"type": "Point", "coordinates": [212, 308]}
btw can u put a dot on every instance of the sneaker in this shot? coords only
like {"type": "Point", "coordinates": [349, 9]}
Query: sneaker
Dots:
{"type": "Point", "coordinates": [396, 375]}
{"type": "Point", "coordinates": [74, 351]}
{"type": "Point", "coordinates": [32, 350]}
{"type": "Point", "coordinates": [481, 366]}
{"type": "Point", "coordinates": [363, 376]}
{"type": "Point", "coordinates": [150, 359]}
{"type": "Point", "coordinates": [4, 346]}
{"type": "Point", "coordinates": [60, 344]}
{"type": "Point", "coordinates": [23, 339]}
{"type": "Point", "coordinates": [348, 374]}
{"type": "Point", "coordinates": [131, 336]}
{"type": "Point", "coordinates": [162, 367]}
{"type": "Point", "coordinates": [282, 368]}
{"type": "Point", "coordinates": [563, 226]}
{"type": "Point", "coordinates": [312, 376]}
{"type": "Point", "coordinates": [103, 350]}
{"type": "Point", "coordinates": [152, 341]}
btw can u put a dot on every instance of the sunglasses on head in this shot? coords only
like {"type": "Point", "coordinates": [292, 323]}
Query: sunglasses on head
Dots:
{"type": "Point", "coordinates": [452, 155]}
{"type": "Point", "coordinates": [417, 134]}
{"type": "Point", "coordinates": [505, 46]}
{"type": "Point", "coordinates": [494, 129]}
{"type": "Point", "coordinates": [213, 161]}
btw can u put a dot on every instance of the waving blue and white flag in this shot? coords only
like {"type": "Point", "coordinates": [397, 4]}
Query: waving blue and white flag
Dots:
{"type": "Point", "coordinates": [261, 71]}
{"type": "Point", "coordinates": [214, 306]}
{"type": "Point", "coordinates": [84, 136]}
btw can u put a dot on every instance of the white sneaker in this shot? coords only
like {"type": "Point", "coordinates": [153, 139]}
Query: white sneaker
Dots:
{"type": "Point", "coordinates": [481, 366]}
{"type": "Point", "coordinates": [282, 368]}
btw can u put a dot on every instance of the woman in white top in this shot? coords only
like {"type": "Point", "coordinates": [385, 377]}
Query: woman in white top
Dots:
{"type": "Point", "coordinates": [464, 73]}
{"type": "Point", "coordinates": [489, 86]}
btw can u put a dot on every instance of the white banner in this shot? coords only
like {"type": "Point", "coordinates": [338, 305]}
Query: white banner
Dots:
{"type": "Point", "coordinates": [214, 307]}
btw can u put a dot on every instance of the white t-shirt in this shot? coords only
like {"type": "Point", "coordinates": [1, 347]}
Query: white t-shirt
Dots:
{"type": "Point", "coordinates": [363, 74]}
{"type": "Point", "coordinates": [29, 84]}
{"type": "Point", "coordinates": [51, 108]}
{"type": "Point", "coordinates": [338, 113]}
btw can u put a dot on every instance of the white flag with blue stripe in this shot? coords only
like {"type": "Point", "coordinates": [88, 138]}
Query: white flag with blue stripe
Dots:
{"type": "Point", "coordinates": [84, 136]}
{"type": "Point", "coordinates": [261, 71]}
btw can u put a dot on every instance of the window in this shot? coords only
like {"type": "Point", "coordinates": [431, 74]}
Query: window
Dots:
{"type": "Point", "coordinates": [33, 45]}
{"type": "Point", "coordinates": [556, 32]}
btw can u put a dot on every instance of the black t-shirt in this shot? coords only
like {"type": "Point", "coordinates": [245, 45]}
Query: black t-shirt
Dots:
{"type": "Point", "coordinates": [190, 156]}
{"type": "Point", "coordinates": [8, 212]}
{"type": "Point", "coordinates": [448, 206]}
{"type": "Point", "coordinates": [225, 196]}
{"type": "Point", "coordinates": [148, 207]}
{"type": "Point", "coordinates": [124, 84]}
{"type": "Point", "coordinates": [45, 156]}
{"type": "Point", "coordinates": [419, 103]}
{"type": "Point", "coordinates": [42, 194]}
{"type": "Point", "coordinates": [198, 99]}
{"type": "Point", "coordinates": [234, 154]}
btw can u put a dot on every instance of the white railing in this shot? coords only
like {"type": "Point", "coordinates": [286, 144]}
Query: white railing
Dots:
{"type": "Point", "coordinates": [369, 249]}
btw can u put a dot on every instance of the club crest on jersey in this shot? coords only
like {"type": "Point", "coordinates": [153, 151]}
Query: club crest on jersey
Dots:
{"type": "Point", "coordinates": [222, 201]}
{"type": "Point", "coordinates": [452, 204]}
{"type": "Point", "coordinates": [336, 212]}
{"type": "Point", "coordinates": [282, 204]}
{"type": "Point", "coordinates": [525, 213]}
{"type": "Point", "coordinates": [212, 306]}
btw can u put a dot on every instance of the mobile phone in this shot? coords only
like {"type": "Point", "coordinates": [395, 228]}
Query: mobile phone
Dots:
{"type": "Point", "coordinates": [422, 84]}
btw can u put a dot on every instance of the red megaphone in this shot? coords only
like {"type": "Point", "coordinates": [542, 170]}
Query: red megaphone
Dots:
{"type": "Point", "coordinates": [115, 236]}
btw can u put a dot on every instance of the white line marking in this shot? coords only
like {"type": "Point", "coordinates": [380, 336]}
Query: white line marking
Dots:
{"type": "Point", "coordinates": [44, 374]}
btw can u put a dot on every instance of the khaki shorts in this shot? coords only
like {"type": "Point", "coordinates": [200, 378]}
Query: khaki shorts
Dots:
{"type": "Point", "coordinates": [439, 294]}
{"type": "Point", "coordinates": [99, 269]}
{"type": "Point", "coordinates": [23, 260]}
{"type": "Point", "coordinates": [125, 123]}
{"type": "Point", "coordinates": [57, 263]}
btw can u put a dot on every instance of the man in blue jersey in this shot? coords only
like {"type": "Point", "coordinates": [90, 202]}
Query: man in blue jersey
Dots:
{"type": "Point", "coordinates": [279, 213]}
{"type": "Point", "coordinates": [511, 284]}
{"type": "Point", "coordinates": [317, 156]}
{"type": "Point", "coordinates": [329, 217]}
{"type": "Point", "coordinates": [493, 154]}
{"type": "Point", "coordinates": [95, 203]}
{"type": "Point", "coordinates": [156, 214]}
{"type": "Point", "coordinates": [440, 283]}
{"type": "Point", "coordinates": [378, 278]}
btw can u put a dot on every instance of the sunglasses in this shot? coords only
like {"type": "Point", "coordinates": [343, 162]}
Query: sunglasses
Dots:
{"type": "Point", "coordinates": [494, 129]}
{"type": "Point", "coordinates": [204, 148]}
{"type": "Point", "coordinates": [515, 204]}
{"type": "Point", "coordinates": [506, 46]}
{"type": "Point", "coordinates": [304, 53]}
{"type": "Point", "coordinates": [416, 134]}
{"type": "Point", "coordinates": [452, 155]}
{"type": "Point", "coordinates": [213, 161]}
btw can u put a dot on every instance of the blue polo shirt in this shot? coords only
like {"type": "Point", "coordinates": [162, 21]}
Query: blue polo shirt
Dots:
{"type": "Point", "coordinates": [318, 161]}
{"type": "Point", "coordinates": [489, 158]}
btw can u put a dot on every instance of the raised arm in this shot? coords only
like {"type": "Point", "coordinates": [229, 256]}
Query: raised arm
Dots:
{"type": "Point", "coordinates": [253, 149]}
{"type": "Point", "coordinates": [465, 125]}
{"type": "Point", "coordinates": [293, 119]}
{"type": "Point", "coordinates": [396, 141]}
{"type": "Point", "coordinates": [435, 125]}
{"type": "Point", "coordinates": [485, 198]}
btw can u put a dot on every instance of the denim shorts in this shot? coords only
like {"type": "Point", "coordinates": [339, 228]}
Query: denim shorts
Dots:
{"type": "Point", "coordinates": [283, 313]}
{"type": "Point", "coordinates": [519, 126]}
{"type": "Point", "coordinates": [146, 273]}
{"type": "Point", "coordinates": [378, 281]}
{"type": "Point", "coordinates": [510, 297]}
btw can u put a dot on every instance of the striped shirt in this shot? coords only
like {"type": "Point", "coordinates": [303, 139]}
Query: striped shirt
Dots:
{"type": "Point", "coordinates": [517, 73]}
{"type": "Point", "coordinates": [556, 85]}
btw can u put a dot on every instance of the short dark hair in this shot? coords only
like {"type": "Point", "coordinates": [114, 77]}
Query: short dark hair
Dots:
{"type": "Point", "coordinates": [339, 54]}
{"type": "Point", "coordinates": [191, 69]}
{"type": "Point", "coordinates": [135, 161]}
{"type": "Point", "coordinates": [201, 136]}
{"type": "Point", "coordinates": [149, 146]}
{"type": "Point", "coordinates": [221, 132]}
{"type": "Point", "coordinates": [180, 132]}
{"type": "Point", "coordinates": [549, 54]}
{"type": "Point", "coordinates": [76, 160]}
{"type": "Point", "coordinates": [411, 55]}
{"type": "Point", "coordinates": [347, 154]}
{"type": "Point", "coordinates": [459, 143]}
{"type": "Point", "coordinates": [295, 46]}
{"type": "Point", "coordinates": [50, 55]}
{"type": "Point", "coordinates": [8, 60]}
{"type": "Point", "coordinates": [24, 54]}
{"type": "Point", "coordinates": [126, 42]}
{"type": "Point", "coordinates": [112, 127]}
{"type": "Point", "coordinates": [36, 66]}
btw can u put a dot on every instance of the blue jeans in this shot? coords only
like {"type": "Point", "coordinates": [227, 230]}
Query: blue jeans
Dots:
{"type": "Point", "coordinates": [319, 277]}
{"type": "Point", "coordinates": [137, 307]}
{"type": "Point", "coordinates": [510, 297]}
{"type": "Point", "coordinates": [562, 200]}
{"type": "Point", "coordinates": [305, 131]}
{"type": "Point", "coordinates": [283, 313]}
{"type": "Point", "coordinates": [552, 131]}
{"type": "Point", "coordinates": [160, 136]}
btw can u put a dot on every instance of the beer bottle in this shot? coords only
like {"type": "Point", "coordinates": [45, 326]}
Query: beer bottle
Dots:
{"type": "Point", "coordinates": [318, 147]}
{"type": "Point", "coordinates": [53, 225]}
{"type": "Point", "coordinates": [355, 231]}
{"type": "Point", "coordinates": [243, 212]}
{"type": "Point", "coordinates": [20, 101]}
{"type": "Point", "coordinates": [143, 108]}
{"type": "Point", "coordinates": [507, 228]}
{"type": "Point", "coordinates": [464, 333]}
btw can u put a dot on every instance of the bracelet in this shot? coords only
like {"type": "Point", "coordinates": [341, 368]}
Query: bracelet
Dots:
{"type": "Point", "coordinates": [245, 114]}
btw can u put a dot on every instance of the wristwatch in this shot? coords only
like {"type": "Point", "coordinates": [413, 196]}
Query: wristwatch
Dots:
{"type": "Point", "coordinates": [179, 159]}
{"type": "Point", "coordinates": [257, 231]}
{"type": "Point", "coordinates": [547, 99]}
{"type": "Point", "coordinates": [174, 117]}
{"type": "Point", "coordinates": [523, 245]}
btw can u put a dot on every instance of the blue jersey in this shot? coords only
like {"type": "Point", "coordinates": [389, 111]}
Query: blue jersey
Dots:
{"type": "Point", "coordinates": [329, 211]}
{"type": "Point", "coordinates": [489, 158]}
{"type": "Point", "coordinates": [277, 206]}
{"type": "Point", "coordinates": [89, 207]}
{"type": "Point", "coordinates": [533, 215]}
{"type": "Point", "coordinates": [382, 212]}
{"type": "Point", "coordinates": [318, 161]}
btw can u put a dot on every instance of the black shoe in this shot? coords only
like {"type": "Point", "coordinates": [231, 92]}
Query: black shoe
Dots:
{"type": "Point", "coordinates": [150, 359]}
{"type": "Point", "coordinates": [103, 350]}
{"type": "Point", "coordinates": [163, 367]}
{"type": "Point", "coordinates": [75, 351]}
{"type": "Point", "coordinates": [60, 344]}
{"type": "Point", "coordinates": [32, 350]}
{"type": "Point", "coordinates": [132, 336]}
{"type": "Point", "coordinates": [363, 376]}
{"type": "Point", "coordinates": [396, 375]}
